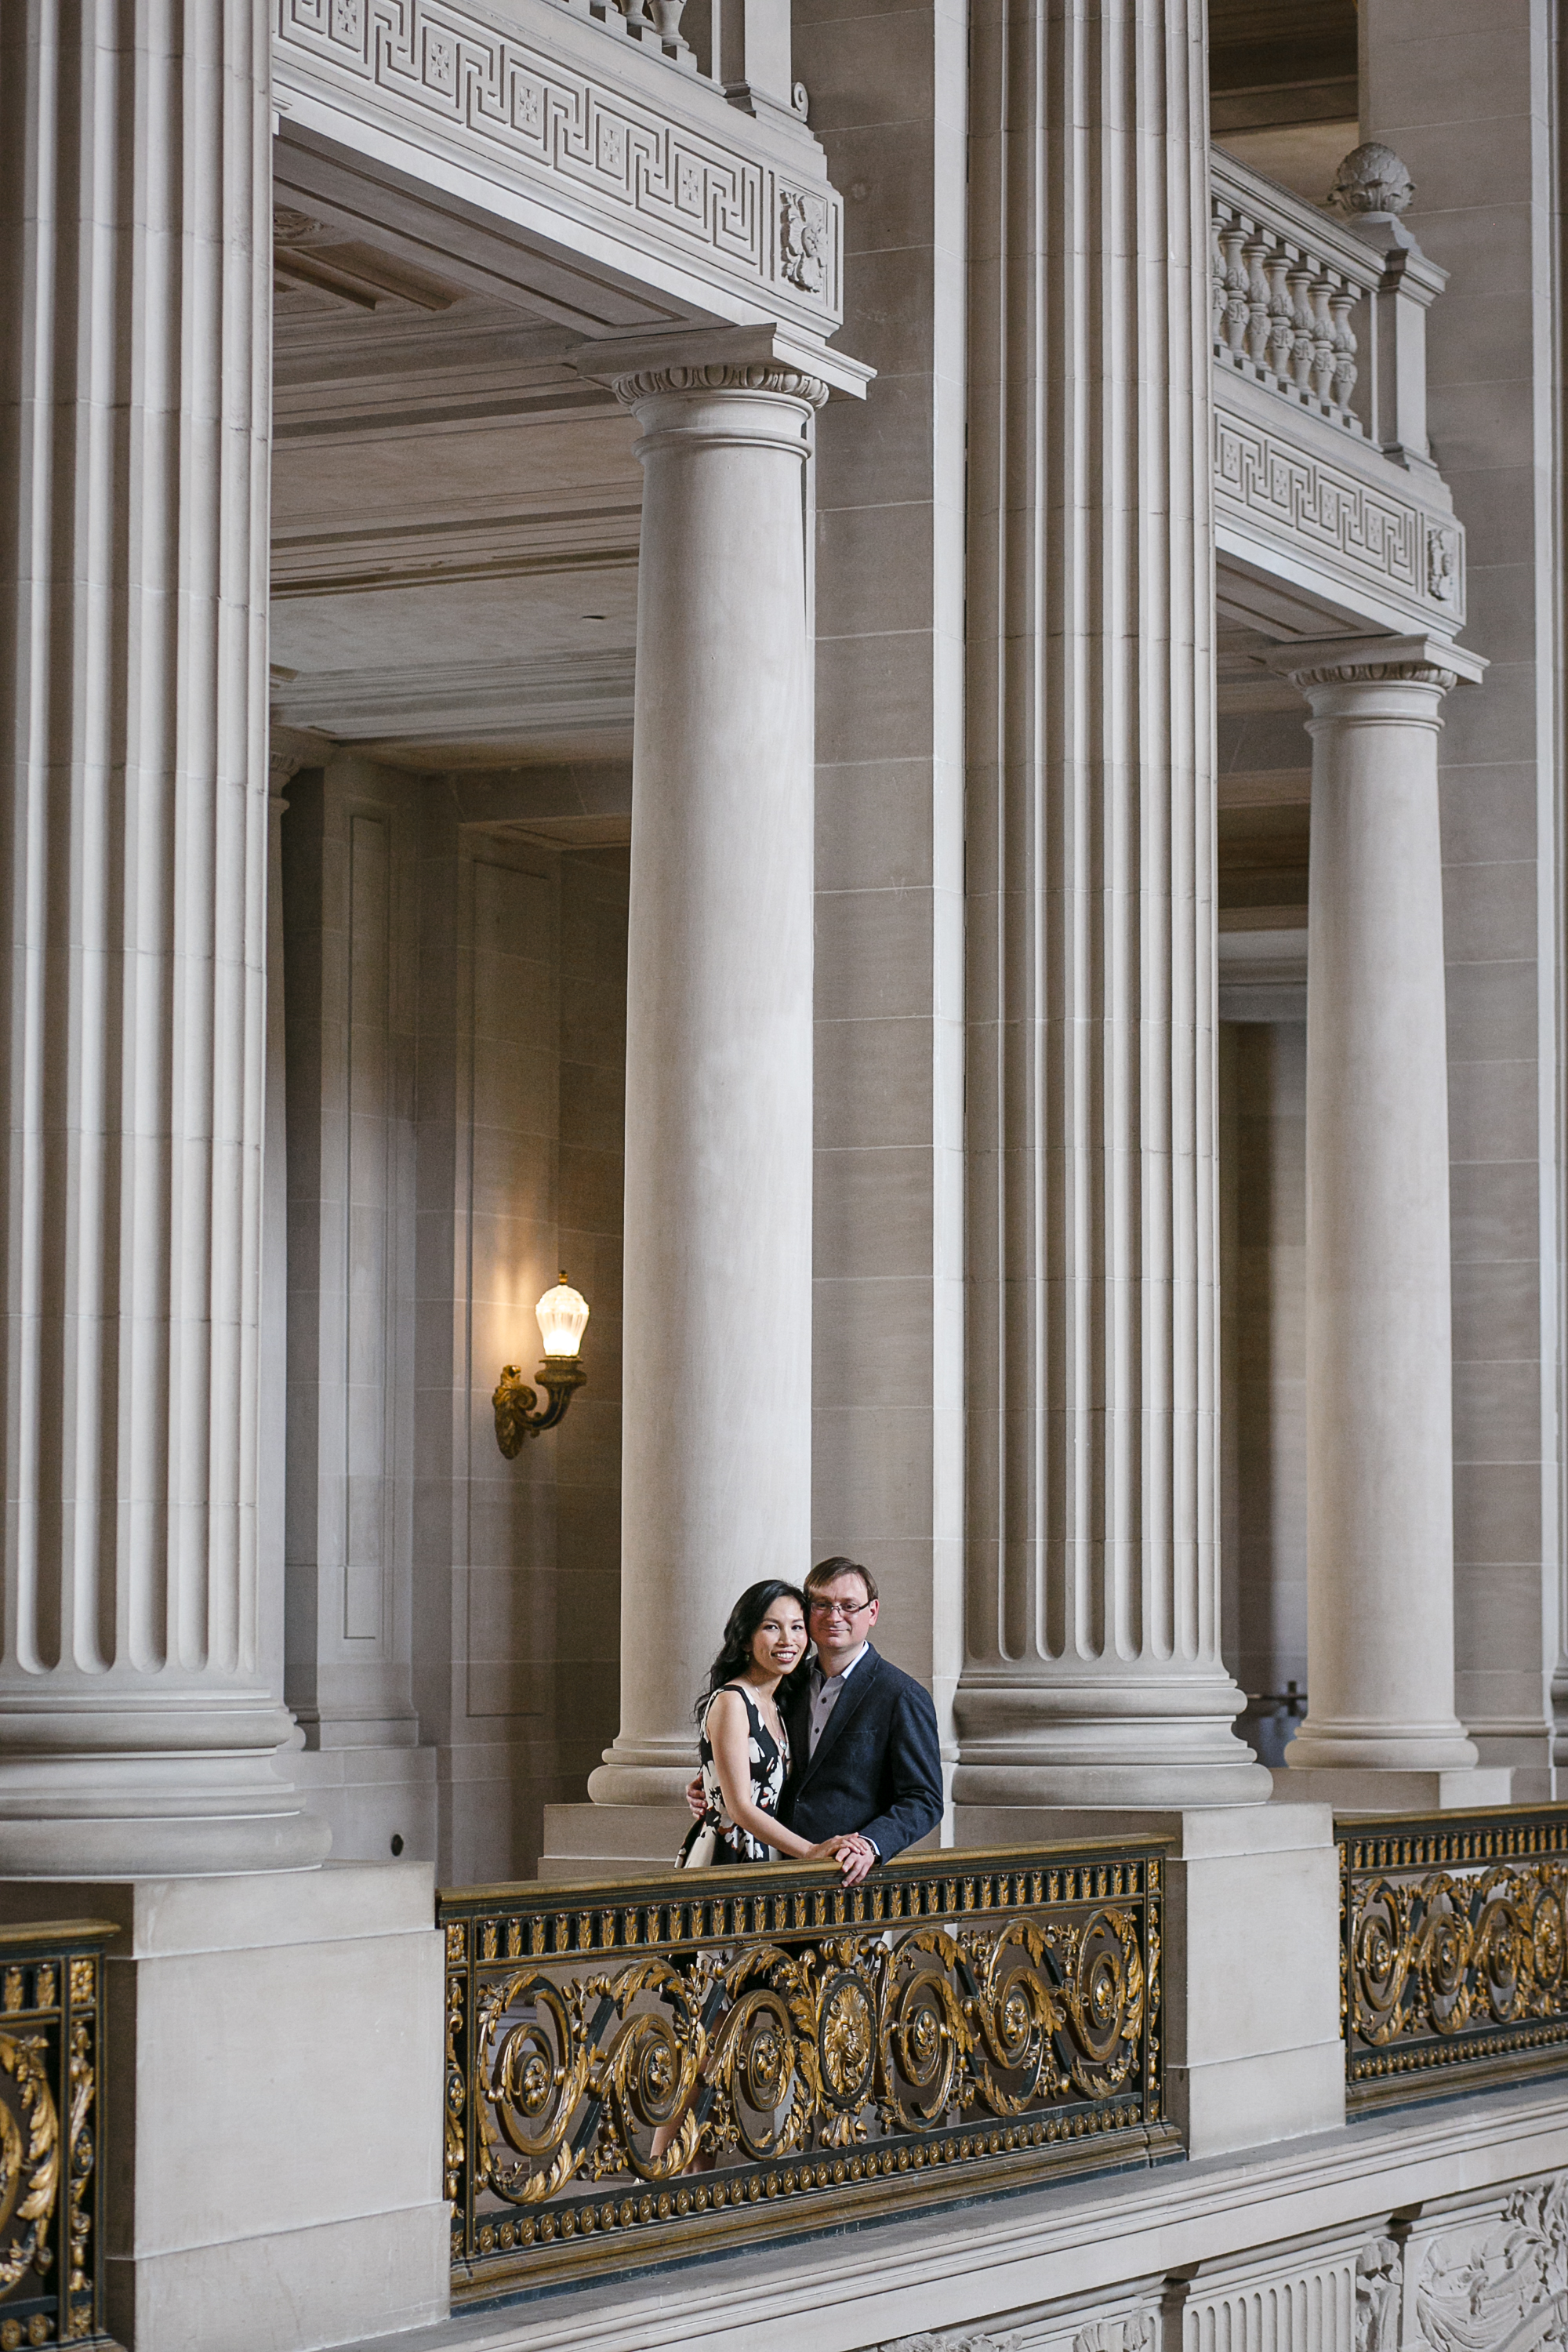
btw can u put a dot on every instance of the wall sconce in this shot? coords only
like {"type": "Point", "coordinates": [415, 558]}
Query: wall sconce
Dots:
{"type": "Point", "coordinates": [563, 1315]}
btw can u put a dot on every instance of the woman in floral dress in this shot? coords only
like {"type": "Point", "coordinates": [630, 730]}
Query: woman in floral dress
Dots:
{"type": "Point", "coordinates": [744, 1746]}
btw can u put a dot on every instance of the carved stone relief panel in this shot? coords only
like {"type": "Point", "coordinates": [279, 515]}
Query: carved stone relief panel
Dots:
{"type": "Point", "coordinates": [1498, 2284]}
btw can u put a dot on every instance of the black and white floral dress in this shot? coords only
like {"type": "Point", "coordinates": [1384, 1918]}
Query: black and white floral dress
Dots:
{"type": "Point", "coordinates": [716, 1838]}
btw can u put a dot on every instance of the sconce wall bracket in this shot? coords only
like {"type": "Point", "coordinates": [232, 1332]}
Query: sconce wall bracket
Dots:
{"type": "Point", "coordinates": [518, 1411]}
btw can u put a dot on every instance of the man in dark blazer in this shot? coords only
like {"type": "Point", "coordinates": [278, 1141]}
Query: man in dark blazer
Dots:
{"type": "Point", "coordinates": [865, 1758]}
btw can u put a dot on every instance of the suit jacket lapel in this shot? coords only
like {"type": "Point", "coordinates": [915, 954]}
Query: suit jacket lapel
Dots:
{"type": "Point", "coordinates": [853, 1695]}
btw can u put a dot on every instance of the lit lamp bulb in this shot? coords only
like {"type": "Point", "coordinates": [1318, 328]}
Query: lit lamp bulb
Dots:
{"type": "Point", "coordinates": [563, 1315]}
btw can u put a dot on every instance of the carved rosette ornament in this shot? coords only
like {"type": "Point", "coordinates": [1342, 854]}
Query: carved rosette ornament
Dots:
{"type": "Point", "coordinates": [803, 240]}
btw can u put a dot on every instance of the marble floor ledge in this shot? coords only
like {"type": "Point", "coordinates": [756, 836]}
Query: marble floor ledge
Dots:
{"type": "Point", "coordinates": [993, 2263]}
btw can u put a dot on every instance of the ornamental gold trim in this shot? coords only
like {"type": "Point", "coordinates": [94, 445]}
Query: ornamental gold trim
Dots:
{"type": "Point", "coordinates": [51, 2091]}
{"type": "Point", "coordinates": [639, 2071]}
{"type": "Point", "coordinates": [1454, 1951]}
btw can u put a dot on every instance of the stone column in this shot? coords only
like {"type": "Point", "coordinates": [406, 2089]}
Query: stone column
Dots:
{"type": "Point", "coordinates": [137, 1731]}
{"type": "Point", "coordinates": [1093, 1672]}
{"type": "Point", "coordinates": [1380, 1519]}
{"type": "Point", "coordinates": [716, 1447]}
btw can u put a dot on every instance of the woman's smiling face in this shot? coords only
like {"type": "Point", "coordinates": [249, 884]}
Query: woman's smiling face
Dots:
{"type": "Point", "coordinates": [779, 1642]}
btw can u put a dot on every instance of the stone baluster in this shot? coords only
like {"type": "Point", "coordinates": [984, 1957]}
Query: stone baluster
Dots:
{"type": "Point", "coordinates": [1236, 307]}
{"type": "Point", "coordinates": [1322, 375]}
{"type": "Point", "coordinates": [137, 1731]}
{"type": "Point", "coordinates": [1281, 317]}
{"type": "Point", "coordinates": [1254, 254]}
{"type": "Point", "coordinates": [1299, 279]}
{"type": "Point", "coordinates": [1342, 302]}
{"type": "Point", "coordinates": [1093, 1672]}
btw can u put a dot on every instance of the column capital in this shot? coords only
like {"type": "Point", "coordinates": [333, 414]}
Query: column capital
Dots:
{"type": "Point", "coordinates": [1418, 660]}
{"type": "Point", "coordinates": [648, 383]}
{"type": "Point", "coordinates": [763, 359]}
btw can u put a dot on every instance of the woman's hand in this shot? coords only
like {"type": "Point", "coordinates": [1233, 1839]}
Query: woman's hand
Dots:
{"type": "Point", "coordinates": [823, 1853]}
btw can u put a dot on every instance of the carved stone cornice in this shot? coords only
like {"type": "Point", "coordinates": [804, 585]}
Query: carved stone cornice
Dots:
{"type": "Point", "coordinates": [1407, 673]}
{"type": "Point", "coordinates": [791, 382]}
{"type": "Point", "coordinates": [1414, 660]}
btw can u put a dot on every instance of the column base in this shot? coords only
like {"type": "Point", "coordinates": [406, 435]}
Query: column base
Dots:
{"type": "Point", "coordinates": [600, 1841]}
{"type": "Point", "coordinates": [1364, 1744]}
{"type": "Point", "coordinates": [264, 2037]}
{"type": "Point", "coordinates": [150, 1784]}
{"type": "Point", "coordinates": [645, 1771]}
{"type": "Point", "coordinates": [1251, 1983]}
{"type": "Point", "coordinates": [153, 1819]}
{"type": "Point", "coordinates": [1142, 1741]}
{"type": "Point", "coordinates": [1393, 1789]}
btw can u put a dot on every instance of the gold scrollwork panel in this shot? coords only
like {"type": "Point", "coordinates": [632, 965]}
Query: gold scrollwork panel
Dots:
{"type": "Point", "coordinates": [1455, 1951]}
{"type": "Point", "coordinates": [695, 2071]}
{"type": "Point", "coordinates": [50, 2096]}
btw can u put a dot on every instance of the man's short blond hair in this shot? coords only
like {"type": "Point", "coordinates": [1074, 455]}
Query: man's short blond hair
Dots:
{"type": "Point", "coordinates": [828, 1571]}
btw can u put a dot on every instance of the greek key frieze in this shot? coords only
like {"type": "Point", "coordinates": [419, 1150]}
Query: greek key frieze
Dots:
{"type": "Point", "coordinates": [533, 110]}
{"type": "Point", "coordinates": [1334, 514]}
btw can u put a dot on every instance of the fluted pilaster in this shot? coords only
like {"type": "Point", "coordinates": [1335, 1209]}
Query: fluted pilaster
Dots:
{"type": "Point", "coordinates": [1093, 1669]}
{"type": "Point", "coordinates": [136, 1731]}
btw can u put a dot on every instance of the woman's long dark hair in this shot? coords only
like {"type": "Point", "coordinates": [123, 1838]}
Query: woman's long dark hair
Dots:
{"type": "Point", "coordinates": [736, 1654]}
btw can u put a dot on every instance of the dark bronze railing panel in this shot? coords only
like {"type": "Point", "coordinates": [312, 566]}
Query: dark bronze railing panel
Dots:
{"type": "Point", "coordinates": [51, 2131]}
{"type": "Point", "coordinates": [958, 2024]}
{"type": "Point", "coordinates": [1453, 1954]}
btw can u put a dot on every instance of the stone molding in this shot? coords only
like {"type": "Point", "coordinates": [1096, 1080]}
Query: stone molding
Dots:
{"type": "Point", "coordinates": [789, 382]}
{"type": "Point", "coordinates": [1394, 673]}
{"type": "Point", "coordinates": [951, 2344]}
{"type": "Point", "coordinates": [519, 103]}
{"type": "Point", "coordinates": [1375, 535]}
{"type": "Point", "coordinates": [455, 701]}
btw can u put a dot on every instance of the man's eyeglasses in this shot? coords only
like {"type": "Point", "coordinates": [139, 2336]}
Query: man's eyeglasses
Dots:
{"type": "Point", "coordinates": [840, 1608]}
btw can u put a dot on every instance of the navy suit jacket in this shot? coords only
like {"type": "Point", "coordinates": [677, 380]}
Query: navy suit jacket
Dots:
{"type": "Point", "coordinates": [877, 1766]}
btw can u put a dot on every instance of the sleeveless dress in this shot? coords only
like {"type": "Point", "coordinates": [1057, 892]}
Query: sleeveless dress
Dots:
{"type": "Point", "coordinates": [716, 1838]}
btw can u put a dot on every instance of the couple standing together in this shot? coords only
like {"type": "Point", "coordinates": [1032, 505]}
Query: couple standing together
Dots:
{"type": "Point", "coordinates": [831, 1756]}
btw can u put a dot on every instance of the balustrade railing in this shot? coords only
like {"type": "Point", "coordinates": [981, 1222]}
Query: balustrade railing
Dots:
{"type": "Point", "coordinates": [643, 2069]}
{"type": "Point", "coordinates": [742, 46]}
{"type": "Point", "coordinates": [51, 2130]}
{"type": "Point", "coordinates": [1455, 1951]}
{"type": "Point", "coordinates": [1288, 293]}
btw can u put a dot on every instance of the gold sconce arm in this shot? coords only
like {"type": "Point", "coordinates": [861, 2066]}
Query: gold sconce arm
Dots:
{"type": "Point", "coordinates": [518, 1413]}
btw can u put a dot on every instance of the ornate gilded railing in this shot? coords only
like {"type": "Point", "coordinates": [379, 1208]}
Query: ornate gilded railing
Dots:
{"type": "Point", "coordinates": [51, 2126]}
{"type": "Point", "coordinates": [1453, 1956]}
{"type": "Point", "coordinates": [643, 2069]}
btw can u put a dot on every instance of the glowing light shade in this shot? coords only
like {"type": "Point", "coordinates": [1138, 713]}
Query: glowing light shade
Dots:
{"type": "Point", "coordinates": [562, 1317]}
